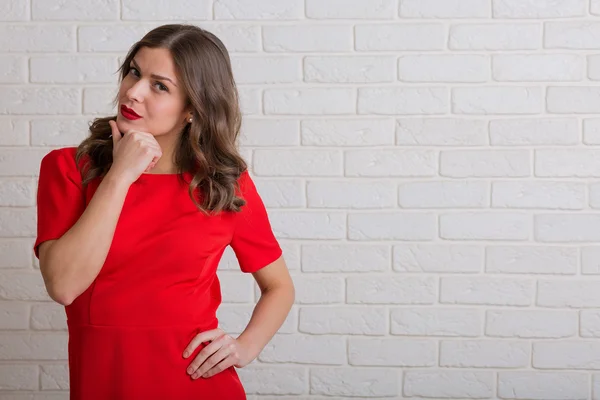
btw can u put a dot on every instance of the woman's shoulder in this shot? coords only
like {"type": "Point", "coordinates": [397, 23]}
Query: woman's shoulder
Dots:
{"type": "Point", "coordinates": [61, 159]}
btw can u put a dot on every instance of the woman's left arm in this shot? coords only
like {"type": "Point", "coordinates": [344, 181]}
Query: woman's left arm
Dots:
{"type": "Point", "coordinates": [276, 300]}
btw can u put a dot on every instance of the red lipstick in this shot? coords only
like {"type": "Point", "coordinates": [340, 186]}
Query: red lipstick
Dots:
{"type": "Point", "coordinates": [129, 113]}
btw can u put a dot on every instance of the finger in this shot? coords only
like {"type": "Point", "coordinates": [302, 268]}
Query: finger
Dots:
{"type": "Point", "coordinates": [116, 134]}
{"type": "Point", "coordinates": [207, 336]}
{"type": "Point", "coordinates": [203, 355]}
{"type": "Point", "coordinates": [220, 367]}
{"type": "Point", "coordinates": [216, 363]}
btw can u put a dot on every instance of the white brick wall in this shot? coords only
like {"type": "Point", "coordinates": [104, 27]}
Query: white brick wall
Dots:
{"type": "Point", "coordinates": [429, 166]}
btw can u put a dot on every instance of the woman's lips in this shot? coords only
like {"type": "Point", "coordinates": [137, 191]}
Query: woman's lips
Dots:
{"type": "Point", "coordinates": [129, 113]}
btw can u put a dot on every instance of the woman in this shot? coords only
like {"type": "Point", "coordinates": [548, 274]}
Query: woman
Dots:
{"type": "Point", "coordinates": [133, 222]}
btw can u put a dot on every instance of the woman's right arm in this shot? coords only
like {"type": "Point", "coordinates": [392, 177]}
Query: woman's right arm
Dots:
{"type": "Point", "coordinates": [71, 263]}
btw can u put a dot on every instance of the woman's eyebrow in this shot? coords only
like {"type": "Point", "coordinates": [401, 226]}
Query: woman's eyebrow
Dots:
{"type": "Point", "coordinates": [153, 75]}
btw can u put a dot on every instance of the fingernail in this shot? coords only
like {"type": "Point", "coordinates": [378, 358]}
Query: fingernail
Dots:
{"type": "Point", "coordinates": [186, 354]}
{"type": "Point", "coordinates": [190, 371]}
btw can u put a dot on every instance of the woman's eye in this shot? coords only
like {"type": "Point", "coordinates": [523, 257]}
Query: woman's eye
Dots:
{"type": "Point", "coordinates": [160, 86]}
{"type": "Point", "coordinates": [132, 69]}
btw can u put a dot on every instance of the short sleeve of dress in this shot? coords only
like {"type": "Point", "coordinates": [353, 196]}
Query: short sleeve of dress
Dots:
{"type": "Point", "coordinates": [60, 198]}
{"type": "Point", "coordinates": [253, 240]}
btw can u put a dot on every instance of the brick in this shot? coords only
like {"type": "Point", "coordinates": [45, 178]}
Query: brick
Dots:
{"type": "Point", "coordinates": [400, 37]}
{"type": "Point", "coordinates": [445, 8]}
{"type": "Point", "coordinates": [392, 352]}
{"type": "Point", "coordinates": [589, 323]}
{"type": "Point", "coordinates": [21, 285]}
{"type": "Point", "coordinates": [343, 320]}
{"type": "Point", "coordinates": [571, 163]}
{"type": "Point", "coordinates": [534, 131]}
{"type": "Point", "coordinates": [250, 100]}
{"type": "Point", "coordinates": [350, 382]}
{"type": "Point", "coordinates": [538, 195]}
{"type": "Point", "coordinates": [349, 69]}
{"type": "Point", "coordinates": [442, 258]}
{"type": "Point", "coordinates": [74, 69]}
{"type": "Point", "coordinates": [267, 69]}
{"type": "Point", "coordinates": [15, 253]}
{"type": "Point", "coordinates": [449, 384]}
{"type": "Point", "coordinates": [281, 193]}
{"type": "Point", "coordinates": [39, 101]}
{"type": "Point", "coordinates": [13, 315]}
{"type": "Point", "coordinates": [497, 100]}
{"type": "Point", "coordinates": [13, 69]}
{"type": "Point", "coordinates": [298, 162]}
{"type": "Point", "coordinates": [484, 354]}
{"type": "Point", "coordinates": [241, 38]}
{"type": "Point", "coordinates": [319, 289]}
{"type": "Point", "coordinates": [37, 38]}
{"type": "Point", "coordinates": [269, 132]}
{"type": "Point", "coordinates": [236, 287]}
{"type": "Point", "coordinates": [109, 38]}
{"type": "Point", "coordinates": [486, 290]}
{"type": "Point", "coordinates": [495, 36]}
{"type": "Point", "coordinates": [403, 101]}
{"type": "Point", "coordinates": [527, 324]}
{"type": "Point", "coordinates": [566, 355]}
{"type": "Point", "coordinates": [84, 10]}
{"type": "Point", "coordinates": [485, 163]}
{"type": "Point", "coordinates": [235, 318]}
{"type": "Point", "coordinates": [15, 132]}
{"type": "Point", "coordinates": [17, 222]}
{"type": "Point", "coordinates": [591, 131]}
{"type": "Point", "coordinates": [345, 258]}
{"type": "Point", "coordinates": [539, 8]}
{"type": "Point", "coordinates": [55, 377]}
{"type": "Point", "coordinates": [441, 132]}
{"type": "Point", "coordinates": [573, 100]}
{"type": "Point", "coordinates": [19, 377]}
{"type": "Point", "coordinates": [274, 380]}
{"type": "Point", "coordinates": [312, 101]}
{"type": "Point", "coordinates": [566, 227]}
{"type": "Point", "coordinates": [531, 260]}
{"type": "Point", "coordinates": [17, 192]}
{"type": "Point", "coordinates": [572, 35]}
{"type": "Point", "coordinates": [313, 38]}
{"type": "Point", "coordinates": [443, 194]}
{"type": "Point", "coordinates": [258, 9]}
{"type": "Point", "coordinates": [99, 101]}
{"type": "Point", "coordinates": [590, 260]}
{"type": "Point", "coordinates": [48, 317]}
{"type": "Point", "coordinates": [390, 163]}
{"type": "Point", "coordinates": [25, 346]}
{"type": "Point", "coordinates": [350, 194]}
{"type": "Point", "coordinates": [14, 11]}
{"type": "Point", "coordinates": [347, 132]}
{"type": "Point", "coordinates": [391, 290]}
{"type": "Point", "coordinates": [305, 349]}
{"type": "Point", "coordinates": [485, 226]}
{"type": "Point", "coordinates": [138, 10]}
{"type": "Point", "coordinates": [568, 294]}
{"type": "Point", "coordinates": [538, 68]}
{"type": "Point", "coordinates": [528, 385]}
{"type": "Point", "coordinates": [59, 132]}
{"type": "Point", "coordinates": [308, 225]}
{"type": "Point", "coordinates": [447, 322]}
{"type": "Point", "coordinates": [350, 9]}
{"type": "Point", "coordinates": [391, 226]}
{"type": "Point", "coordinates": [444, 68]}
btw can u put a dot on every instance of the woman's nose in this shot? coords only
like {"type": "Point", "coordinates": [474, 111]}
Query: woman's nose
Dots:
{"type": "Point", "coordinates": [135, 92]}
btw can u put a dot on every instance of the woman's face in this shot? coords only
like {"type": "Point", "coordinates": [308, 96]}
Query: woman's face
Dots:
{"type": "Point", "coordinates": [151, 89]}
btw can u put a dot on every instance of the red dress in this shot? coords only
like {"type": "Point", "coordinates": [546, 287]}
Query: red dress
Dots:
{"type": "Point", "coordinates": [158, 287]}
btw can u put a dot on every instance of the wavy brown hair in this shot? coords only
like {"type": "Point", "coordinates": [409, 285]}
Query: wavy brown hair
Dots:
{"type": "Point", "coordinates": [207, 147]}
